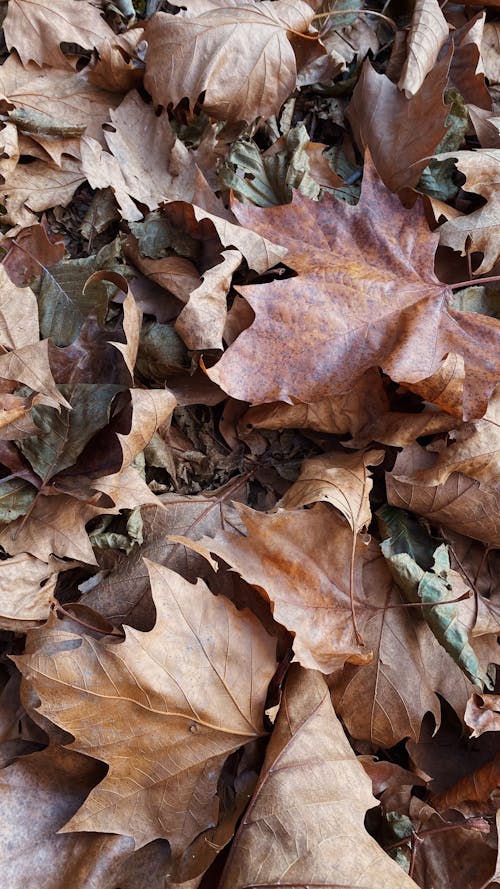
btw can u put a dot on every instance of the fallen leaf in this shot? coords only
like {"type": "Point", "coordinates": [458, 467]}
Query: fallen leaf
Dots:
{"type": "Point", "coordinates": [201, 322]}
{"type": "Point", "coordinates": [428, 31]}
{"type": "Point", "coordinates": [308, 565]}
{"type": "Point", "coordinates": [352, 262]}
{"type": "Point", "coordinates": [305, 822]}
{"type": "Point", "coordinates": [477, 231]}
{"type": "Point", "coordinates": [385, 121]}
{"type": "Point", "coordinates": [26, 589]}
{"type": "Point", "coordinates": [473, 789]}
{"type": "Point", "coordinates": [37, 186]}
{"type": "Point", "coordinates": [343, 480]}
{"type": "Point", "coordinates": [30, 365]}
{"type": "Point", "coordinates": [37, 31]}
{"type": "Point", "coordinates": [150, 408]}
{"type": "Point", "coordinates": [490, 45]}
{"type": "Point", "coordinates": [461, 503]}
{"type": "Point", "coordinates": [118, 68]}
{"type": "Point", "coordinates": [18, 314]}
{"type": "Point", "coordinates": [165, 737]}
{"type": "Point", "coordinates": [482, 714]}
{"type": "Point", "coordinates": [244, 61]}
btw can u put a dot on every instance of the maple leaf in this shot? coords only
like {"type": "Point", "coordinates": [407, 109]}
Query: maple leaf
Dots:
{"type": "Point", "coordinates": [365, 295]}
{"type": "Point", "coordinates": [37, 30]}
{"type": "Point", "coordinates": [305, 821]}
{"type": "Point", "coordinates": [163, 708]}
{"type": "Point", "coordinates": [244, 61]}
{"type": "Point", "coordinates": [309, 566]}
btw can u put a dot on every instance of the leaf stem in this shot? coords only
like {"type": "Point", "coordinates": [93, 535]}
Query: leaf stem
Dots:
{"type": "Point", "coordinates": [424, 833]}
{"type": "Point", "coordinates": [493, 279]}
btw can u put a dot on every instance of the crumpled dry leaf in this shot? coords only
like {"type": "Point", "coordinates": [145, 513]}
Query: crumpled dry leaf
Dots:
{"type": "Point", "coordinates": [38, 186]}
{"type": "Point", "coordinates": [305, 822]}
{"type": "Point", "coordinates": [482, 714]}
{"type": "Point", "coordinates": [461, 503]}
{"type": "Point", "coordinates": [175, 702]}
{"type": "Point", "coordinates": [164, 173]}
{"type": "Point", "coordinates": [479, 230]}
{"type": "Point", "coordinates": [37, 30]}
{"type": "Point", "coordinates": [300, 561]}
{"type": "Point", "coordinates": [343, 480]}
{"type": "Point", "coordinates": [119, 67]}
{"type": "Point", "coordinates": [428, 32]}
{"type": "Point", "coordinates": [490, 46]}
{"type": "Point", "coordinates": [387, 123]}
{"type": "Point", "coordinates": [244, 61]}
{"type": "Point", "coordinates": [26, 589]}
{"type": "Point", "coordinates": [201, 322]}
{"type": "Point", "coordinates": [352, 262]}
{"type": "Point", "coordinates": [18, 314]}
{"type": "Point", "coordinates": [480, 787]}
{"type": "Point", "coordinates": [30, 365]}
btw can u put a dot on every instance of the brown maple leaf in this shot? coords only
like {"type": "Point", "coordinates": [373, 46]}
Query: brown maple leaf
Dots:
{"type": "Point", "coordinates": [163, 708]}
{"type": "Point", "coordinates": [365, 295]}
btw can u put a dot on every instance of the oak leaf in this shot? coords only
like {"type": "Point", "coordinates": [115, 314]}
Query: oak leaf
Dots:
{"type": "Point", "coordinates": [163, 708]}
{"type": "Point", "coordinates": [36, 30]}
{"type": "Point", "coordinates": [243, 59]}
{"type": "Point", "coordinates": [305, 822]}
{"type": "Point", "coordinates": [365, 295]}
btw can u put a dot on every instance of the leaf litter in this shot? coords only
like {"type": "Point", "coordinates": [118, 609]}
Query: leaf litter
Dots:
{"type": "Point", "coordinates": [249, 447]}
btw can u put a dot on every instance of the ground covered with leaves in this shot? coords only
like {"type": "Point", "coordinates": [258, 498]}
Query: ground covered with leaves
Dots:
{"type": "Point", "coordinates": [249, 444]}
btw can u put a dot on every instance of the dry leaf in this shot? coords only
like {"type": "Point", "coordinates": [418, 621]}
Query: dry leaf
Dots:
{"type": "Point", "coordinates": [482, 714]}
{"type": "Point", "coordinates": [340, 479]}
{"type": "Point", "coordinates": [244, 62]}
{"type": "Point", "coordinates": [428, 32]}
{"type": "Point", "coordinates": [301, 562]}
{"type": "Point", "coordinates": [305, 823]}
{"type": "Point", "coordinates": [30, 365]}
{"type": "Point", "coordinates": [163, 708]}
{"type": "Point", "coordinates": [461, 503]}
{"type": "Point", "coordinates": [26, 589]}
{"type": "Point", "coordinates": [201, 322]}
{"type": "Point", "coordinates": [36, 30]}
{"type": "Point", "coordinates": [386, 122]}
{"type": "Point", "coordinates": [18, 314]}
{"type": "Point", "coordinates": [37, 186]}
{"type": "Point", "coordinates": [365, 296]}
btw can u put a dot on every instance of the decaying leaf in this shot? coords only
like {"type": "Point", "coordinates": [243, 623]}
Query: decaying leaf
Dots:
{"type": "Point", "coordinates": [428, 32]}
{"type": "Point", "coordinates": [173, 704]}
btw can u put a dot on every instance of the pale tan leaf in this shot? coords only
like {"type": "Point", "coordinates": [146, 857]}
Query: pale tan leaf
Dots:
{"type": "Point", "coordinates": [30, 365]}
{"type": "Point", "coordinates": [56, 526]}
{"type": "Point", "coordinates": [163, 708]}
{"type": "Point", "coordinates": [477, 231]}
{"type": "Point", "coordinates": [305, 823]}
{"type": "Point", "coordinates": [428, 32]}
{"type": "Point", "coordinates": [38, 186]}
{"type": "Point", "coordinates": [18, 314]}
{"type": "Point", "coordinates": [343, 480]}
{"type": "Point", "coordinates": [201, 322]}
{"type": "Point", "coordinates": [164, 173]}
{"type": "Point", "coordinates": [150, 408]}
{"type": "Point", "coordinates": [490, 51]}
{"type": "Point", "coordinates": [37, 29]}
{"type": "Point", "coordinates": [483, 714]}
{"type": "Point", "coordinates": [237, 52]}
{"type": "Point", "coordinates": [26, 589]}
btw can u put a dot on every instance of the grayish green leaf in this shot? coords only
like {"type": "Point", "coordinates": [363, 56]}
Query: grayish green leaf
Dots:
{"type": "Point", "coordinates": [16, 496]}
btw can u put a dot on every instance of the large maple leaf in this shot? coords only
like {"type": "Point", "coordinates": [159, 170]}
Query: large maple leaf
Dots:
{"type": "Point", "coordinates": [365, 296]}
{"type": "Point", "coordinates": [164, 708]}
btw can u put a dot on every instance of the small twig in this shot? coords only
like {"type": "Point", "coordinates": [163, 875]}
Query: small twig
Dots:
{"type": "Point", "coordinates": [494, 279]}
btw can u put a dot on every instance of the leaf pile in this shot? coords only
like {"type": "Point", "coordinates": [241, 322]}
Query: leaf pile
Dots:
{"type": "Point", "coordinates": [249, 444]}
